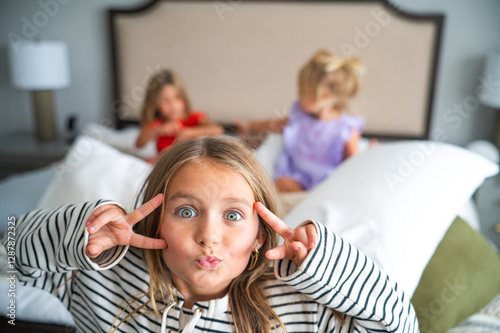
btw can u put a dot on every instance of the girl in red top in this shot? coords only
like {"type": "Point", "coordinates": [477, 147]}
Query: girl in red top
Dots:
{"type": "Point", "coordinates": [167, 115]}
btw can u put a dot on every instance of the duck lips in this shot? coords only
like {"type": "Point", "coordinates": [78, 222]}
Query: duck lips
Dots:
{"type": "Point", "coordinates": [208, 262]}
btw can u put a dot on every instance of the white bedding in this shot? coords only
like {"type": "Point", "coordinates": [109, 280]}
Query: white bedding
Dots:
{"type": "Point", "coordinates": [359, 201]}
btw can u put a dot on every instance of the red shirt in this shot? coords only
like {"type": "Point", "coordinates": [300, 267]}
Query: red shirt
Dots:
{"type": "Point", "coordinates": [193, 119]}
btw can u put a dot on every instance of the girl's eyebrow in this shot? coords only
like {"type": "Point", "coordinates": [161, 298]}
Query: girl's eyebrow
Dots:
{"type": "Point", "coordinates": [182, 195]}
{"type": "Point", "coordinates": [240, 200]}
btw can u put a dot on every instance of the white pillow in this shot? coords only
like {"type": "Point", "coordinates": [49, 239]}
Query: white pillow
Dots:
{"type": "Point", "coordinates": [269, 151]}
{"type": "Point", "coordinates": [123, 140]}
{"type": "Point", "coordinates": [396, 201]}
{"type": "Point", "coordinates": [93, 170]}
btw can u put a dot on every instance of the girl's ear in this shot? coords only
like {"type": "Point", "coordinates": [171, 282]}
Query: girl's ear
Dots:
{"type": "Point", "coordinates": [261, 238]}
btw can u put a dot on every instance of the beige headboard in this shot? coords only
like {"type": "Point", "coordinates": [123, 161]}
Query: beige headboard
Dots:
{"type": "Point", "coordinates": [240, 59]}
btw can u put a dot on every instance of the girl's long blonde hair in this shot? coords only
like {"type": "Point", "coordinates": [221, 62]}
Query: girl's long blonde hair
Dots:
{"type": "Point", "coordinates": [149, 111]}
{"type": "Point", "coordinates": [247, 297]}
{"type": "Point", "coordinates": [327, 73]}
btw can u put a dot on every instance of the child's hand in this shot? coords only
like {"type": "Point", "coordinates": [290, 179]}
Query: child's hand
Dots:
{"type": "Point", "coordinates": [186, 134]}
{"type": "Point", "coordinates": [109, 226]}
{"type": "Point", "coordinates": [242, 126]}
{"type": "Point", "coordinates": [170, 128]}
{"type": "Point", "coordinates": [287, 184]}
{"type": "Point", "coordinates": [297, 243]}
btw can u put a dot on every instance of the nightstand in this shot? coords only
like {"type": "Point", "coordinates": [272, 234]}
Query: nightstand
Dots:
{"type": "Point", "coordinates": [23, 152]}
{"type": "Point", "coordinates": [488, 204]}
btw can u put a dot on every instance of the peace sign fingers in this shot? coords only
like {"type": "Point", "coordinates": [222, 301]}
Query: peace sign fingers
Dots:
{"type": "Point", "coordinates": [297, 243]}
{"type": "Point", "coordinates": [144, 210]}
{"type": "Point", "coordinates": [274, 222]}
{"type": "Point", "coordinates": [109, 226]}
{"type": "Point", "coordinates": [107, 213]}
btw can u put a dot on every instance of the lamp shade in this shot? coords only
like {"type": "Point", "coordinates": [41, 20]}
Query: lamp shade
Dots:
{"type": "Point", "coordinates": [490, 93]}
{"type": "Point", "coordinates": [39, 65]}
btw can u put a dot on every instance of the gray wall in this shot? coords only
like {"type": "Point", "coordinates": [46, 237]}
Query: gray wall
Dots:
{"type": "Point", "coordinates": [471, 30]}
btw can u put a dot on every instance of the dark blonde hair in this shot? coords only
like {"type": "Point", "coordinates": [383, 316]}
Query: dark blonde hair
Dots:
{"type": "Point", "coordinates": [247, 297]}
{"type": "Point", "coordinates": [157, 82]}
{"type": "Point", "coordinates": [327, 73]}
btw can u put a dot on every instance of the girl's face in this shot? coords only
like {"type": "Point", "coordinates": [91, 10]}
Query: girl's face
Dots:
{"type": "Point", "coordinates": [210, 228]}
{"type": "Point", "coordinates": [170, 103]}
{"type": "Point", "coordinates": [319, 108]}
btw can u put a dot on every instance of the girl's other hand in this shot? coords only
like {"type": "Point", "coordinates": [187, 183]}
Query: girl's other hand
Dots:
{"type": "Point", "coordinates": [242, 126]}
{"type": "Point", "coordinates": [186, 134]}
{"type": "Point", "coordinates": [109, 226]}
{"type": "Point", "coordinates": [170, 128]}
{"type": "Point", "coordinates": [287, 184]}
{"type": "Point", "coordinates": [297, 243]}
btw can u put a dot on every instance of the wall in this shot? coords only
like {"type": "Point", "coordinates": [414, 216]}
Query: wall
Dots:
{"type": "Point", "coordinates": [82, 24]}
{"type": "Point", "coordinates": [470, 31]}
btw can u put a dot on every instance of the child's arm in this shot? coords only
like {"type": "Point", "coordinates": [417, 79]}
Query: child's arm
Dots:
{"type": "Point", "coordinates": [152, 130]}
{"type": "Point", "coordinates": [204, 128]}
{"type": "Point", "coordinates": [351, 147]}
{"type": "Point", "coordinates": [275, 125]}
{"type": "Point", "coordinates": [50, 245]}
{"type": "Point", "coordinates": [147, 132]}
{"type": "Point", "coordinates": [335, 274]}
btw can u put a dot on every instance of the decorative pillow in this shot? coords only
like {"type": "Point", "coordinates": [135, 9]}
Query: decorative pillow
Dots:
{"type": "Point", "coordinates": [93, 170]}
{"type": "Point", "coordinates": [269, 151]}
{"type": "Point", "coordinates": [123, 140]}
{"type": "Point", "coordinates": [395, 201]}
{"type": "Point", "coordinates": [461, 278]}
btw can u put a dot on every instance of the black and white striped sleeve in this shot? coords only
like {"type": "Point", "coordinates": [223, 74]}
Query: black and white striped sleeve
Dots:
{"type": "Point", "coordinates": [51, 245]}
{"type": "Point", "coordinates": [338, 276]}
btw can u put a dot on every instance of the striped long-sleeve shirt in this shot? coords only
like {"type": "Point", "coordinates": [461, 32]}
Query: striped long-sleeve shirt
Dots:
{"type": "Point", "coordinates": [51, 247]}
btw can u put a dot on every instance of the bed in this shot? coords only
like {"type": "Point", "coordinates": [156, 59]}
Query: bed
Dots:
{"type": "Point", "coordinates": [411, 210]}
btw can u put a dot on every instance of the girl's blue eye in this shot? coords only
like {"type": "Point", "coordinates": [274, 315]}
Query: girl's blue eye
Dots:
{"type": "Point", "coordinates": [186, 212]}
{"type": "Point", "coordinates": [233, 216]}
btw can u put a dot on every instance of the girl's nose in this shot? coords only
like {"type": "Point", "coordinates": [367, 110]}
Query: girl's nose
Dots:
{"type": "Point", "coordinates": [208, 233]}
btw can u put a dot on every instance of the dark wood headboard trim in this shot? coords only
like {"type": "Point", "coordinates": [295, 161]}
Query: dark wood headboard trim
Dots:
{"type": "Point", "coordinates": [436, 19]}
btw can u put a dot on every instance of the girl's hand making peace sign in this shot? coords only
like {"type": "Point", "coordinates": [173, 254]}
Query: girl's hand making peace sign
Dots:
{"type": "Point", "coordinates": [109, 226]}
{"type": "Point", "coordinates": [297, 243]}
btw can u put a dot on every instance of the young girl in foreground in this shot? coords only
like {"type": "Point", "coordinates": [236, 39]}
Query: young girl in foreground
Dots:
{"type": "Point", "coordinates": [318, 135]}
{"type": "Point", "coordinates": [167, 115]}
{"type": "Point", "coordinates": [199, 254]}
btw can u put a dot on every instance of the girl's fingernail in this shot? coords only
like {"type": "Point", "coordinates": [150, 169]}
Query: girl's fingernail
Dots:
{"type": "Point", "coordinates": [87, 223]}
{"type": "Point", "coordinates": [91, 229]}
{"type": "Point", "coordinates": [296, 248]}
{"type": "Point", "coordinates": [313, 245]}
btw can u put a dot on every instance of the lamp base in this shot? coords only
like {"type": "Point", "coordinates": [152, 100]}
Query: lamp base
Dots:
{"type": "Point", "coordinates": [496, 138]}
{"type": "Point", "coordinates": [43, 103]}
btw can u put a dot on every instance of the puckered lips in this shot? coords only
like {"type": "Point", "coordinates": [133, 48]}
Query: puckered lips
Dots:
{"type": "Point", "coordinates": [208, 262]}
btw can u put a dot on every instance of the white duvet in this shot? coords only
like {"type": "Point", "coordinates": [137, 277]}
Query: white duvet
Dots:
{"type": "Point", "coordinates": [393, 201]}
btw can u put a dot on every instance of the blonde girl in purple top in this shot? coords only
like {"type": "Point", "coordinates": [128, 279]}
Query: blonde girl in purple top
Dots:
{"type": "Point", "coordinates": [318, 135]}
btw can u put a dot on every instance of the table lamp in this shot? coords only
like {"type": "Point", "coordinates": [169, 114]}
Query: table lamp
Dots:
{"type": "Point", "coordinates": [489, 95]}
{"type": "Point", "coordinates": [41, 67]}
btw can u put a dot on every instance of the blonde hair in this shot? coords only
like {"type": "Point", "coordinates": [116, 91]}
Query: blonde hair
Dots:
{"type": "Point", "coordinates": [327, 73]}
{"type": "Point", "coordinates": [156, 83]}
{"type": "Point", "coordinates": [247, 298]}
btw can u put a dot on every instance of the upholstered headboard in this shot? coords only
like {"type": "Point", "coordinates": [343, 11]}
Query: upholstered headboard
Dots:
{"type": "Point", "coordinates": [240, 59]}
